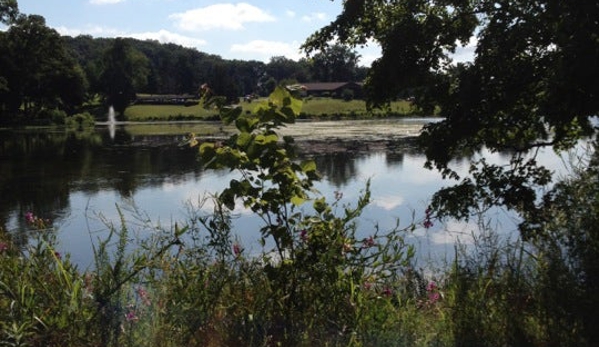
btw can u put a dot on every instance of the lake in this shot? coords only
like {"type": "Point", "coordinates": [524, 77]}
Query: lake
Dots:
{"type": "Point", "coordinates": [77, 180]}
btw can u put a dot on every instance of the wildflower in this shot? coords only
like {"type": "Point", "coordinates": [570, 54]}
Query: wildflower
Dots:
{"type": "Point", "coordinates": [237, 249]}
{"type": "Point", "coordinates": [29, 217]}
{"type": "Point", "coordinates": [369, 242]}
{"type": "Point", "coordinates": [144, 296]}
{"type": "Point", "coordinates": [131, 316]}
{"type": "Point", "coordinates": [387, 291]}
{"type": "Point", "coordinates": [3, 246]}
{"type": "Point", "coordinates": [427, 218]}
{"type": "Point", "coordinates": [367, 285]}
{"type": "Point", "coordinates": [347, 247]}
{"type": "Point", "coordinates": [57, 255]}
{"type": "Point", "coordinates": [304, 235]}
{"type": "Point", "coordinates": [433, 292]}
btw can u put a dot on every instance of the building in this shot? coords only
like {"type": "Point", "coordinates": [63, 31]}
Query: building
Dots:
{"type": "Point", "coordinates": [333, 89]}
{"type": "Point", "coordinates": [166, 99]}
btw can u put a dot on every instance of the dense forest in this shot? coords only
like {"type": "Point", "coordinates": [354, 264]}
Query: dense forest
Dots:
{"type": "Point", "coordinates": [42, 72]}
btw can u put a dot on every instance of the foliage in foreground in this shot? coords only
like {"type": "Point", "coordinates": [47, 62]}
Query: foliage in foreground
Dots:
{"type": "Point", "coordinates": [317, 282]}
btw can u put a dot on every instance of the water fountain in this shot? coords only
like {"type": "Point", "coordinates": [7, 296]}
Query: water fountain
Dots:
{"type": "Point", "coordinates": [111, 116]}
{"type": "Point", "coordinates": [111, 122]}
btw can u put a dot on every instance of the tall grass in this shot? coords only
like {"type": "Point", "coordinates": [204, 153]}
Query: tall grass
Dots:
{"type": "Point", "coordinates": [196, 286]}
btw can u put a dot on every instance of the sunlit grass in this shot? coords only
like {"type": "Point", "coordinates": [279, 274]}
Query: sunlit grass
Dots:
{"type": "Point", "coordinates": [141, 113]}
{"type": "Point", "coordinates": [312, 108]}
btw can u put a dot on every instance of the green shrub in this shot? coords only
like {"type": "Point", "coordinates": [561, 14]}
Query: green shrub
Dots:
{"type": "Point", "coordinates": [347, 94]}
{"type": "Point", "coordinates": [80, 121]}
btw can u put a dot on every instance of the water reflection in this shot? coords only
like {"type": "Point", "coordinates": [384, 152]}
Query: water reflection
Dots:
{"type": "Point", "coordinates": [77, 179]}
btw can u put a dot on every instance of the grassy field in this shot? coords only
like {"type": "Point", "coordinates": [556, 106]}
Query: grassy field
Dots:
{"type": "Point", "coordinates": [313, 108]}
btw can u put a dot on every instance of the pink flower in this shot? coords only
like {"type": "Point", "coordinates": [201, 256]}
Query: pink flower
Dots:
{"type": "Point", "coordinates": [304, 235]}
{"type": "Point", "coordinates": [131, 316]}
{"type": "Point", "coordinates": [237, 249]}
{"type": "Point", "coordinates": [433, 293]}
{"type": "Point", "coordinates": [144, 296]}
{"type": "Point", "coordinates": [369, 242]}
{"type": "Point", "coordinates": [3, 246]}
{"type": "Point", "coordinates": [29, 217]}
{"type": "Point", "coordinates": [387, 291]}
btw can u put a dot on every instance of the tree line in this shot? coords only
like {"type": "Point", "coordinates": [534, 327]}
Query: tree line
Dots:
{"type": "Point", "coordinates": [42, 71]}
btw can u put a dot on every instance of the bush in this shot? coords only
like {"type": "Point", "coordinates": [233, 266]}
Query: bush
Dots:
{"type": "Point", "coordinates": [347, 94]}
{"type": "Point", "coordinates": [80, 121]}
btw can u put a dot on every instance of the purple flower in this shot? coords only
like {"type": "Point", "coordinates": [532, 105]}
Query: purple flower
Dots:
{"type": "Point", "coordinates": [428, 218]}
{"type": "Point", "coordinates": [131, 316]}
{"type": "Point", "coordinates": [237, 249]}
{"type": "Point", "coordinates": [433, 292]}
{"type": "Point", "coordinates": [387, 291]}
{"type": "Point", "coordinates": [29, 217]}
{"type": "Point", "coordinates": [369, 242]}
{"type": "Point", "coordinates": [304, 235]}
{"type": "Point", "coordinates": [144, 296]}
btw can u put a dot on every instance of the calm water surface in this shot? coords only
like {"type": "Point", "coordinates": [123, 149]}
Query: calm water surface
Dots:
{"type": "Point", "coordinates": [78, 180]}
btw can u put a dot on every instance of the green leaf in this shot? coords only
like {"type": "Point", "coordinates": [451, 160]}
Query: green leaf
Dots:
{"type": "Point", "coordinates": [230, 114]}
{"type": "Point", "coordinates": [308, 166]}
{"type": "Point", "coordinates": [320, 205]}
{"type": "Point", "coordinates": [297, 200]}
{"type": "Point", "coordinates": [227, 197]}
{"type": "Point", "coordinates": [244, 139]}
{"type": "Point", "coordinates": [283, 99]}
{"type": "Point", "coordinates": [266, 139]}
{"type": "Point", "coordinates": [246, 124]}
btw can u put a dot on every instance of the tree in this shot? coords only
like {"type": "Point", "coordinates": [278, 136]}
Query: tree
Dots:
{"type": "Point", "coordinates": [9, 11]}
{"type": "Point", "coordinates": [38, 70]}
{"type": "Point", "coordinates": [221, 80]}
{"type": "Point", "coordinates": [532, 83]}
{"type": "Point", "coordinates": [125, 70]}
{"type": "Point", "coordinates": [336, 63]}
{"type": "Point", "coordinates": [281, 68]}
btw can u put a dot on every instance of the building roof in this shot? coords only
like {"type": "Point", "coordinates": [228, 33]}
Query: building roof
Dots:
{"type": "Point", "coordinates": [327, 86]}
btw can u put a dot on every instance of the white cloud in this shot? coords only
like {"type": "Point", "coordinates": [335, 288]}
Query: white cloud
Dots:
{"type": "Point", "coordinates": [388, 202]}
{"type": "Point", "coordinates": [269, 48]}
{"type": "Point", "coordinates": [220, 16]}
{"type": "Point", "coordinates": [465, 53]}
{"type": "Point", "coordinates": [290, 13]}
{"type": "Point", "coordinates": [316, 16]}
{"type": "Point", "coordinates": [97, 31]}
{"type": "Point", "coordinates": [165, 36]}
{"type": "Point", "coordinates": [104, 2]}
{"type": "Point", "coordinates": [162, 36]}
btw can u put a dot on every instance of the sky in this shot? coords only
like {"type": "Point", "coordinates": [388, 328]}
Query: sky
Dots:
{"type": "Point", "coordinates": [246, 30]}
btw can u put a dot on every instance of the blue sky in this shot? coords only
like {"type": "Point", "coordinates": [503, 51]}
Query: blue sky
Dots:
{"type": "Point", "coordinates": [247, 30]}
